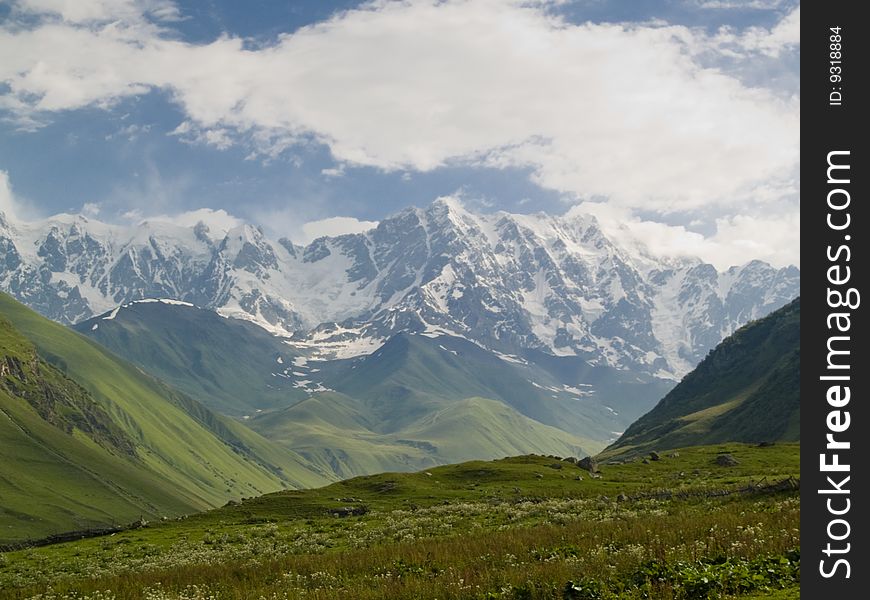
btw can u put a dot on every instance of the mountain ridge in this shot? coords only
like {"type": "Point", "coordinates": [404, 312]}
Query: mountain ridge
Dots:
{"type": "Point", "coordinates": [508, 282]}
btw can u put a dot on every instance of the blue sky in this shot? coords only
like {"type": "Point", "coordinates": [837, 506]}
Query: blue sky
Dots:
{"type": "Point", "coordinates": [674, 121]}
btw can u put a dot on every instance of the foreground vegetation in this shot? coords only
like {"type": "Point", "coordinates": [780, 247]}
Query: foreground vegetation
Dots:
{"type": "Point", "coordinates": [682, 527]}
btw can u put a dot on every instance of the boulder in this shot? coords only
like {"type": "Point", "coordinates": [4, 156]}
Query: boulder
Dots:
{"type": "Point", "coordinates": [588, 463]}
{"type": "Point", "coordinates": [726, 460]}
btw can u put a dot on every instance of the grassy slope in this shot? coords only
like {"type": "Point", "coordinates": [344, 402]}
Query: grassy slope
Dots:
{"type": "Point", "coordinates": [412, 375]}
{"type": "Point", "coordinates": [490, 429]}
{"type": "Point", "coordinates": [747, 389]}
{"type": "Point", "coordinates": [80, 478]}
{"type": "Point", "coordinates": [513, 528]}
{"type": "Point", "coordinates": [177, 439]}
{"type": "Point", "coordinates": [335, 431]}
{"type": "Point", "coordinates": [226, 363]}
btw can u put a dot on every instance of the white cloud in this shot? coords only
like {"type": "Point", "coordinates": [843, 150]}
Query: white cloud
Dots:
{"type": "Point", "coordinates": [771, 237]}
{"type": "Point", "coordinates": [218, 221]}
{"type": "Point", "coordinates": [7, 200]}
{"type": "Point", "coordinates": [758, 40]}
{"type": "Point", "coordinates": [333, 226]}
{"type": "Point", "coordinates": [91, 209]}
{"type": "Point", "coordinates": [621, 111]}
{"type": "Point", "coordinates": [84, 11]}
{"type": "Point", "coordinates": [333, 171]}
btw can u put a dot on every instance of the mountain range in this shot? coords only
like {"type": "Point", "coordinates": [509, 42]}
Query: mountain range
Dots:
{"type": "Point", "coordinates": [510, 283]}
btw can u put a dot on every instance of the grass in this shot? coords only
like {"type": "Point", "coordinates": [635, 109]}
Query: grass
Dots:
{"type": "Point", "coordinates": [518, 528]}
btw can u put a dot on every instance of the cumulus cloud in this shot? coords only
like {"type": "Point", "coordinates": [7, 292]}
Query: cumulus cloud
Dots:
{"type": "Point", "coordinates": [12, 205]}
{"type": "Point", "coordinates": [753, 41]}
{"type": "Point", "coordinates": [616, 110]}
{"type": "Point", "coordinates": [334, 226]}
{"type": "Point", "coordinates": [91, 209]}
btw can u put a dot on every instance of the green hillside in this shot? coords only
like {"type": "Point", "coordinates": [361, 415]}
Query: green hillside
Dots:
{"type": "Point", "coordinates": [746, 390]}
{"type": "Point", "coordinates": [76, 414]}
{"type": "Point", "coordinates": [65, 464]}
{"type": "Point", "coordinates": [339, 433]}
{"type": "Point", "coordinates": [225, 363]}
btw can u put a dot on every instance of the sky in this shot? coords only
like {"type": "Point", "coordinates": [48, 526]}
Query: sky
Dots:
{"type": "Point", "coordinates": [675, 122]}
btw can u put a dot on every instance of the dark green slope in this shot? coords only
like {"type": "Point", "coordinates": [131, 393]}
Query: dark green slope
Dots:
{"type": "Point", "coordinates": [746, 390]}
{"type": "Point", "coordinates": [225, 363]}
{"type": "Point", "coordinates": [74, 414]}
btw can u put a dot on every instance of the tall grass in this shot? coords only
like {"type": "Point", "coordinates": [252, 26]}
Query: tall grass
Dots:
{"type": "Point", "coordinates": [526, 561]}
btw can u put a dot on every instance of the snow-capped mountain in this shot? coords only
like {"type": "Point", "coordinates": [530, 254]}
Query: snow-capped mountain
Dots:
{"type": "Point", "coordinates": [511, 283]}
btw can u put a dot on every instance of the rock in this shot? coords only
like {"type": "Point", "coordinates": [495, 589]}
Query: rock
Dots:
{"type": "Point", "coordinates": [578, 478]}
{"type": "Point", "coordinates": [645, 461]}
{"type": "Point", "coordinates": [621, 498]}
{"type": "Point", "coordinates": [349, 511]}
{"type": "Point", "coordinates": [589, 464]}
{"type": "Point", "coordinates": [654, 455]}
{"type": "Point", "coordinates": [387, 486]}
{"type": "Point", "coordinates": [555, 466]}
{"type": "Point", "coordinates": [571, 460]}
{"type": "Point", "coordinates": [726, 460]}
{"type": "Point", "coordinates": [428, 474]}
{"type": "Point", "coordinates": [766, 444]}
{"type": "Point", "coordinates": [538, 476]}
{"type": "Point", "coordinates": [674, 455]}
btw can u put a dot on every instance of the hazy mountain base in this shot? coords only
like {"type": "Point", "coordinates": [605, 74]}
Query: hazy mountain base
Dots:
{"type": "Point", "coordinates": [519, 528]}
{"type": "Point", "coordinates": [334, 433]}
